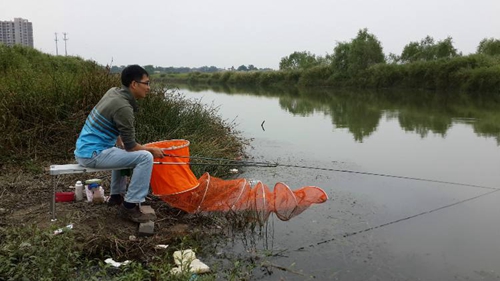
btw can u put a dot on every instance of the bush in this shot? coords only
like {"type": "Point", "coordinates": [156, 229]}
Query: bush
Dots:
{"type": "Point", "coordinates": [315, 76]}
{"type": "Point", "coordinates": [44, 101]}
{"type": "Point", "coordinates": [481, 80]}
{"type": "Point", "coordinates": [269, 78]}
{"type": "Point", "coordinates": [384, 76]}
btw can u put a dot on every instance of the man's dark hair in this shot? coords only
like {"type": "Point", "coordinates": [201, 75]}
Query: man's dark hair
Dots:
{"type": "Point", "coordinates": [132, 73]}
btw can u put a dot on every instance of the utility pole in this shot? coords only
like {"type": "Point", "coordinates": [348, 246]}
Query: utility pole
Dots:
{"type": "Point", "coordinates": [57, 51]}
{"type": "Point", "coordinates": [65, 39]}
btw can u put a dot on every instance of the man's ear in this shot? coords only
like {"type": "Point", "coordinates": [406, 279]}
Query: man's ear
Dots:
{"type": "Point", "coordinates": [132, 85]}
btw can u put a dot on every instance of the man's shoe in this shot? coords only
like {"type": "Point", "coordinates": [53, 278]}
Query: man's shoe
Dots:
{"type": "Point", "coordinates": [135, 214]}
{"type": "Point", "coordinates": [115, 200]}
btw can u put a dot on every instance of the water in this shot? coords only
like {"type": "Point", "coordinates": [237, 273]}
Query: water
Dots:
{"type": "Point", "coordinates": [373, 228]}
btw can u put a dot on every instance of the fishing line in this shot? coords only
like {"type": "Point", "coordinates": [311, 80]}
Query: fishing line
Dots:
{"type": "Point", "coordinates": [270, 164]}
{"type": "Point", "coordinates": [387, 175]}
{"type": "Point", "coordinates": [348, 234]}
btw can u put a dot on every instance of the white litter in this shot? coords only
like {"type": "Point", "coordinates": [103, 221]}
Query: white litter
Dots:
{"type": "Point", "coordinates": [161, 246]}
{"type": "Point", "coordinates": [187, 258]}
{"type": "Point", "coordinates": [61, 230]}
{"type": "Point", "coordinates": [115, 263]}
{"type": "Point", "coordinates": [233, 171]}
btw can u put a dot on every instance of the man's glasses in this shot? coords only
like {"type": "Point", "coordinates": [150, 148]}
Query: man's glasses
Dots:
{"type": "Point", "coordinates": [145, 83]}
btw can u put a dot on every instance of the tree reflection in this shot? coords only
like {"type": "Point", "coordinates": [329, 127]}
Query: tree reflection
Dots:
{"type": "Point", "coordinates": [360, 112]}
{"type": "Point", "coordinates": [360, 118]}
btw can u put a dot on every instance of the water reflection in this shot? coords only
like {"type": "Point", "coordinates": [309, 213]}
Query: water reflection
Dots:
{"type": "Point", "coordinates": [443, 145]}
{"type": "Point", "coordinates": [360, 112]}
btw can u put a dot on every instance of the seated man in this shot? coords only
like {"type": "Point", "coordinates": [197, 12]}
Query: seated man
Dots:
{"type": "Point", "coordinates": [111, 122]}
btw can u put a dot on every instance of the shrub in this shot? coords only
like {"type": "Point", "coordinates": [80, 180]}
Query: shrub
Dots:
{"type": "Point", "coordinates": [315, 76]}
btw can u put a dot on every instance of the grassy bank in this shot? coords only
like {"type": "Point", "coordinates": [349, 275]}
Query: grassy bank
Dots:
{"type": "Point", "coordinates": [44, 101]}
{"type": "Point", "coordinates": [473, 74]}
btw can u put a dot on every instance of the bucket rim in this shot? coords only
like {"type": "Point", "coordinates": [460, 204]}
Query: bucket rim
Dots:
{"type": "Point", "coordinates": [186, 144]}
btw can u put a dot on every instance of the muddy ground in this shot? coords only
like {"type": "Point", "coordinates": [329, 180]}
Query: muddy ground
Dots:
{"type": "Point", "coordinates": [100, 232]}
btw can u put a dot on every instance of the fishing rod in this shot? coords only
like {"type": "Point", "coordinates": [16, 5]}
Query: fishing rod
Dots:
{"type": "Point", "coordinates": [276, 164]}
{"type": "Point", "coordinates": [238, 162]}
{"type": "Point", "coordinates": [247, 164]}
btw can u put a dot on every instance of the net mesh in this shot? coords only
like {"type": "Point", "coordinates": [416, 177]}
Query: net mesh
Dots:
{"type": "Point", "coordinates": [173, 181]}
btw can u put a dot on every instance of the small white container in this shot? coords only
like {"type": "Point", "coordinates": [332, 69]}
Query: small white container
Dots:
{"type": "Point", "coordinates": [78, 191]}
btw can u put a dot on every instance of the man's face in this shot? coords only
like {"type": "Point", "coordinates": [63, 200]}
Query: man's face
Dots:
{"type": "Point", "coordinates": [140, 88]}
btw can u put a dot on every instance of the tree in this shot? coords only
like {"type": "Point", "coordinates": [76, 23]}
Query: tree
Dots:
{"type": "Point", "coordinates": [326, 60]}
{"type": "Point", "coordinates": [489, 47]}
{"type": "Point", "coordinates": [340, 60]}
{"type": "Point", "coordinates": [149, 68]}
{"type": "Point", "coordinates": [242, 68]}
{"type": "Point", "coordinates": [251, 67]}
{"type": "Point", "coordinates": [365, 51]}
{"type": "Point", "coordinates": [411, 52]}
{"type": "Point", "coordinates": [209, 69]}
{"type": "Point", "coordinates": [427, 50]}
{"type": "Point", "coordinates": [298, 60]}
{"type": "Point", "coordinates": [362, 52]}
{"type": "Point", "coordinates": [444, 49]}
{"type": "Point", "coordinates": [393, 58]}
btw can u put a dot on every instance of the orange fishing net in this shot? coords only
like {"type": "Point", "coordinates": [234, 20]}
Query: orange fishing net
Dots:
{"type": "Point", "coordinates": [174, 182]}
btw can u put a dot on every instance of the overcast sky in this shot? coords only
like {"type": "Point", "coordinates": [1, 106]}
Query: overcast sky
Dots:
{"type": "Point", "coordinates": [227, 33]}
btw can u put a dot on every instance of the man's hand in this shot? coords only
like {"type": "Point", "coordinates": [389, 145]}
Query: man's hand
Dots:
{"type": "Point", "coordinates": [119, 143]}
{"type": "Point", "coordinates": [157, 152]}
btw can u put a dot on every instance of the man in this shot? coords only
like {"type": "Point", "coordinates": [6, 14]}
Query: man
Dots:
{"type": "Point", "coordinates": [110, 123]}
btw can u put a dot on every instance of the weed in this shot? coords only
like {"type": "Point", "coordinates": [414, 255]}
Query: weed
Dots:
{"type": "Point", "coordinates": [28, 252]}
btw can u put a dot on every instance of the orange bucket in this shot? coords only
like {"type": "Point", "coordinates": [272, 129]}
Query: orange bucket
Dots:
{"type": "Point", "coordinates": [172, 174]}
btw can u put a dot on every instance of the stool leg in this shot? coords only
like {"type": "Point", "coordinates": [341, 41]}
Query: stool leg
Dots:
{"type": "Point", "coordinates": [53, 203]}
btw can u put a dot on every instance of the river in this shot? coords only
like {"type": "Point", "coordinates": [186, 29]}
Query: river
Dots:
{"type": "Point", "coordinates": [400, 224]}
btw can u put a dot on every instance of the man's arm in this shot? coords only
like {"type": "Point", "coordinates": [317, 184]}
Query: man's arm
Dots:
{"type": "Point", "coordinates": [157, 152]}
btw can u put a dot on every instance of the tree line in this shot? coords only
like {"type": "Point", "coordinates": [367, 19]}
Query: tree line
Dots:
{"type": "Point", "coordinates": [361, 63]}
{"type": "Point", "coordinates": [366, 50]}
{"type": "Point", "coordinates": [179, 70]}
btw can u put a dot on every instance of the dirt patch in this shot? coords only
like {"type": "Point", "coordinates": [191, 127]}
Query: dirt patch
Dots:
{"type": "Point", "coordinates": [99, 230]}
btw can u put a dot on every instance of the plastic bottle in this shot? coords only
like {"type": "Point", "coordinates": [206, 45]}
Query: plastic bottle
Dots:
{"type": "Point", "coordinates": [78, 191]}
{"type": "Point", "coordinates": [98, 196]}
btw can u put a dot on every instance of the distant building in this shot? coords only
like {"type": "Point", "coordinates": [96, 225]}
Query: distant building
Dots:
{"type": "Point", "coordinates": [19, 31]}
